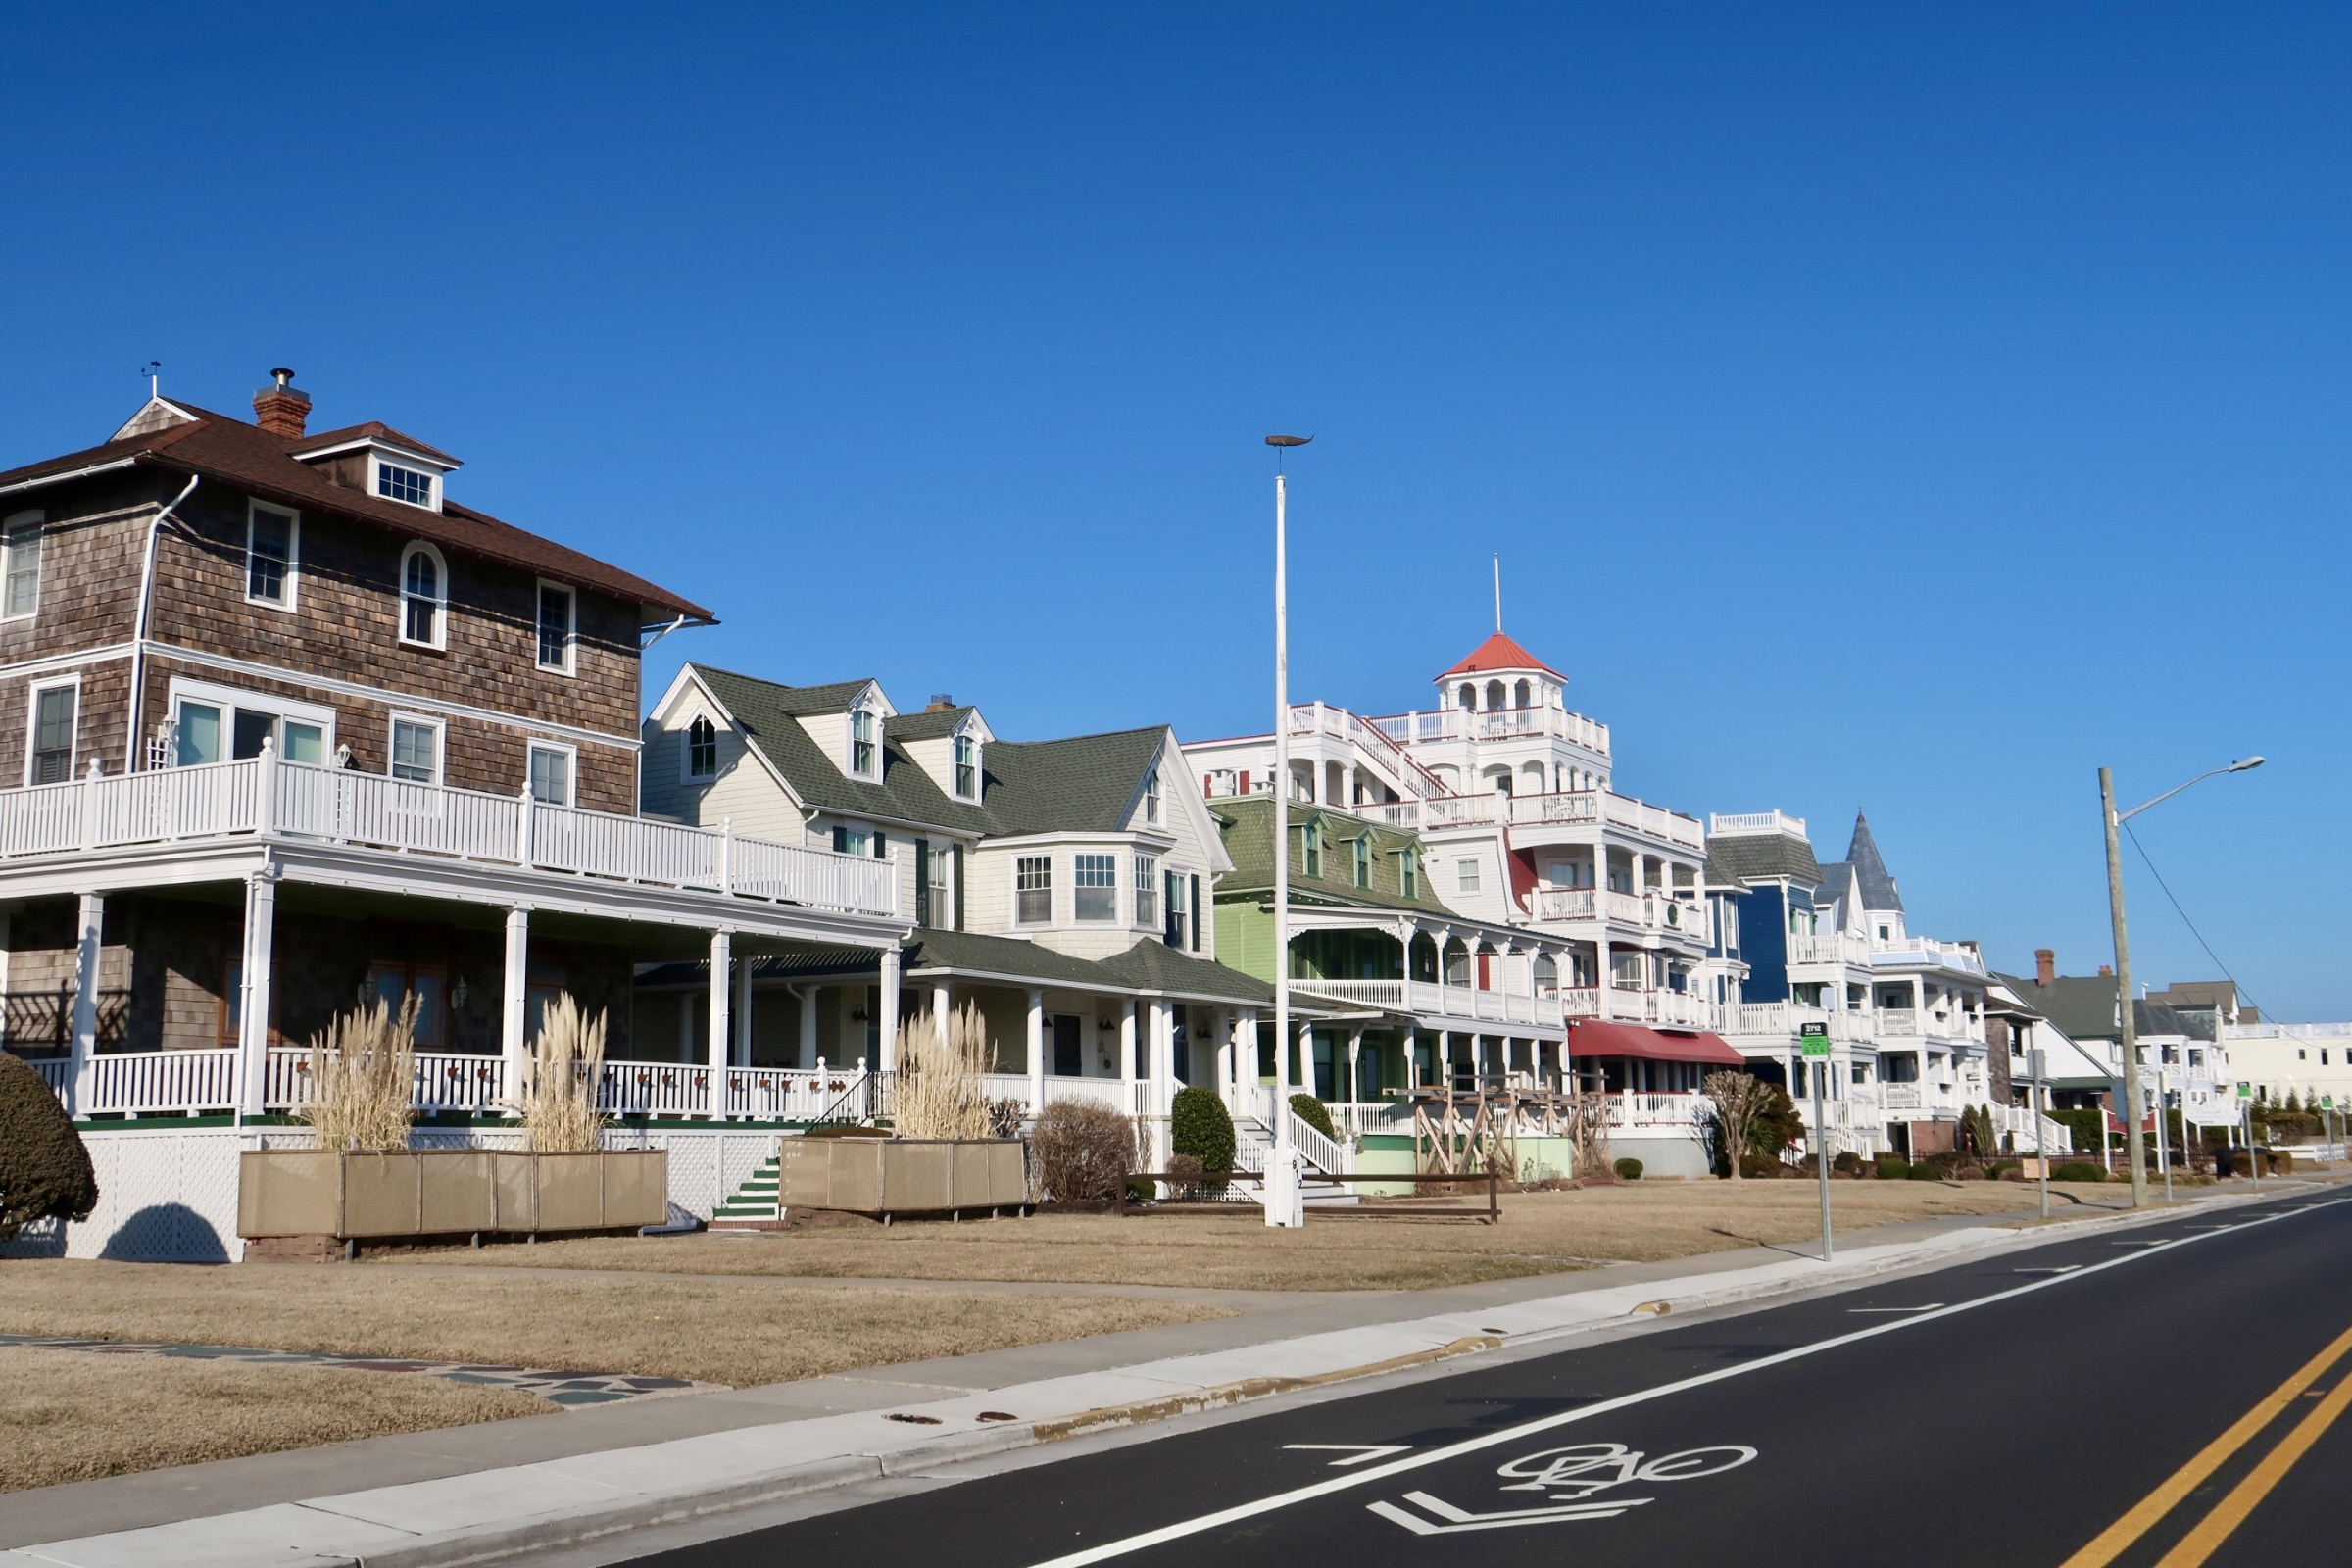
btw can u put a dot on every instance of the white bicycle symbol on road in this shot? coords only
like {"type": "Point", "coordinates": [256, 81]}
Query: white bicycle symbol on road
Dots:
{"type": "Point", "coordinates": [1572, 1477]}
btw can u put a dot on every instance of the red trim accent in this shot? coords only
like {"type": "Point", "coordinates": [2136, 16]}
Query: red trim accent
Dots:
{"type": "Point", "coordinates": [1499, 652]}
{"type": "Point", "coordinates": [1591, 1037]}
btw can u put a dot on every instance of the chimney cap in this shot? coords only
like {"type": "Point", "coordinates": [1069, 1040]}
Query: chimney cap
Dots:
{"type": "Point", "coordinates": [283, 376]}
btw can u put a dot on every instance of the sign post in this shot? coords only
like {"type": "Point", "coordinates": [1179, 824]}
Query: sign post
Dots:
{"type": "Point", "coordinates": [2164, 1137]}
{"type": "Point", "coordinates": [2245, 1119]}
{"type": "Point", "coordinates": [2041, 1145]}
{"type": "Point", "coordinates": [1814, 1056]}
{"type": "Point", "coordinates": [2326, 1132]}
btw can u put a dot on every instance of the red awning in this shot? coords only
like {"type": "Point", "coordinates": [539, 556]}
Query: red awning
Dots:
{"type": "Point", "coordinates": [1589, 1037]}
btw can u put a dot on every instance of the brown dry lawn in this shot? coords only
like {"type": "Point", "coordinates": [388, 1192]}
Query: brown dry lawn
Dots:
{"type": "Point", "coordinates": [732, 1331]}
{"type": "Point", "coordinates": [1541, 1233]}
{"type": "Point", "coordinates": [73, 1416]}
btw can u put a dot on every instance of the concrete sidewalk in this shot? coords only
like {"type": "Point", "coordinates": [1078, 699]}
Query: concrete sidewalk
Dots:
{"type": "Point", "coordinates": [467, 1493]}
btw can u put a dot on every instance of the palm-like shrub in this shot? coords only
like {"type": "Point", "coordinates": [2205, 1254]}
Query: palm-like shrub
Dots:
{"type": "Point", "coordinates": [44, 1169]}
{"type": "Point", "coordinates": [942, 1088]}
{"type": "Point", "coordinates": [560, 1080]}
{"type": "Point", "coordinates": [1084, 1152]}
{"type": "Point", "coordinates": [363, 1073]}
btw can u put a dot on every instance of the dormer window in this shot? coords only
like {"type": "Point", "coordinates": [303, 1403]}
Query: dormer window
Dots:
{"type": "Point", "coordinates": [423, 597]}
{"type": "Point", "coordinates": [1363, 862]}
{"type": "Point", "coordinates": [967, 768]}
{"type": "Point", "coordinates": [702, 749]}
{"type": "Point", "coordinates": [1152, 798]}
{"type": "Point", "coordinates": [1408, 872]}
{"type": "Point", "coordinates": [862, 743]}
{"type": "Point", "coordinates": [410, 486]}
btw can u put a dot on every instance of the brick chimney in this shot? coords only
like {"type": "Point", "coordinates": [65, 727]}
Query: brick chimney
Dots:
{"type": "Point", "coordinates": [2045, 966]}
{"type": "Point", "coordinates": [941, 702]}
{"type": "Point", "coordinates": [280, 409]}
{"type": "Point", "coordinates": [2106, 971]}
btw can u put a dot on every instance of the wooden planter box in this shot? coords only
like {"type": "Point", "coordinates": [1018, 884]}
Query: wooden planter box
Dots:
{"type": "Point", "coordinates": [903, 1175]}
{"type": "Point", "coordinates": [354, 1194]}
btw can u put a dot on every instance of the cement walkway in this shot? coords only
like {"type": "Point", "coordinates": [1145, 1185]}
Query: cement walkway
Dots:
{"type": "Point", "coordinates": [463, 1492]}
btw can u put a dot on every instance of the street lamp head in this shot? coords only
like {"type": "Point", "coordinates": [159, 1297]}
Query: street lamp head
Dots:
{"type": "Point", "coordinates": [2241, 768]}
{"type": "Point", "coordinates": [1288, 440]}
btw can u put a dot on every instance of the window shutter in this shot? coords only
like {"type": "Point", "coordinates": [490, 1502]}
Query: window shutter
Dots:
{"type": "Point", "coordinates": [881, 845]}
{"type": "Point", "coordinates": [958, 860]}
{"type": "Point", "coordinates": [841, 839]}
{"type": "Point", "coordinates": [922, 882]}
{"type": "Point", "coordinates": [1192, 913]}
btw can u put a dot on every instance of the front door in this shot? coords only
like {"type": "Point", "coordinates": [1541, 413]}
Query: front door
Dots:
{"type": "Point", "coordinates": [1067, 1040]}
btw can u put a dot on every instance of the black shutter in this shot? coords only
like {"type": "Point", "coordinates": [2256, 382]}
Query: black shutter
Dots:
{"type": "Point", "coordinates": [881, 846]}
{"type": "Point", "coordinates": [841, 839]}
{"type": "Point", "coordinates": [1192, 912]}
{"type": "Point", "coordinates": [922, 882]}
{"type": "Point", "coordinates": [958, 887]}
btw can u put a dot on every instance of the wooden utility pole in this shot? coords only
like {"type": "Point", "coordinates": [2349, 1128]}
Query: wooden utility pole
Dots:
{"type": "Point", "coordinates": [2123, 1011]}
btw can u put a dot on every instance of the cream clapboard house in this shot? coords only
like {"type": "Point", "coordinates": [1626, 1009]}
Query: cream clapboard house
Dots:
{"type": "Point", "coordinates": [1062, 886]}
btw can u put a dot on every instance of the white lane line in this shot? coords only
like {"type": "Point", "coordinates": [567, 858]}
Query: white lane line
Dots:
{"type": "Point", "coordinates": [1336, 1484]}
{"type": "Point", "coordinates": [1859, 1311]}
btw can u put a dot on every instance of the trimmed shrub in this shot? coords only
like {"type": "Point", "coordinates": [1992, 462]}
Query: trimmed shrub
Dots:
{"type": "Point", "coordinates": [1628, 1170]}
{"type": "Point", "coordinates": [1894, 1168]}
{"type": "Point", "coordinates": [1199, 1129]}
{"type": "Point", "coordinates": [1084, 1152]}
{"type": "Point", "coordinates": [1849, 1163]}
{"type": "Point", "coordinates": [2077, 1170]}
{"type": "Point", "coordinates": [1759, 1167]}
{"type": "Point", "coordinates": [44, 1172]}
{"type": "Point", "coordinates": [1923, 1171]}
{"type": "Point", "coordinates": [1312, 1111]}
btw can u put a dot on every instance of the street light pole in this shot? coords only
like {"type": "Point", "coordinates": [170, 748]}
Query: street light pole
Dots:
{"type": "Point", "coordinates": [1283, 1196]}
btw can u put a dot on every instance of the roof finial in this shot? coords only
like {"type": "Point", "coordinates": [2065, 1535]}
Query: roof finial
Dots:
{"type": "Point", "coordinates": [153, 370]}
{"type": "Point", "coordinates": [1498, 590]}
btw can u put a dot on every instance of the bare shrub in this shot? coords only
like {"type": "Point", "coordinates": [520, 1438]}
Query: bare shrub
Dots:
{"type": "Point", "coordinates": [941, 1090]}
{"type": "Point", "coordinates": [1741, 1099]}
{"type": "Point", "coordinates": [560, 1080]}
{"type": "Point", "coordinates": [1084, 1152]}
{"type": "Point", "coordinates": [363, 1071]}
{"type": "Point", "coordinates": [1004, 1117]}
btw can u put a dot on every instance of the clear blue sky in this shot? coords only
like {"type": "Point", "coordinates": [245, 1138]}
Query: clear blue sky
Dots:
{"type": "Point", "coordinates": [1872, 406]}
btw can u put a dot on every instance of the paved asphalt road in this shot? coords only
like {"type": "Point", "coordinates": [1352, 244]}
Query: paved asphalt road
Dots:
{"type": "Point", "coordinates": [1895, 1424]}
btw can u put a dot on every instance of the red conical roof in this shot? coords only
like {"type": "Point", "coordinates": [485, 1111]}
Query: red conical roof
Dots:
{"type": "Point", "coordinates": [1499, 651]}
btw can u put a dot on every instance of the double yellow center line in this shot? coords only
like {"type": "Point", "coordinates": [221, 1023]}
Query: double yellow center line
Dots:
{"type": "Point", "coordinates": [2233, 1510]}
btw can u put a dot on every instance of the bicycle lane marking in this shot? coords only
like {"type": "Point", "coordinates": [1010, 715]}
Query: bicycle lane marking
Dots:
{"type": "Point", "coordinates": [1145, 1539]}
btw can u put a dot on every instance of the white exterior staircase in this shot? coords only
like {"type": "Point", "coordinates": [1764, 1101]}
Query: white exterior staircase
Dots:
{"type": "Point", "coordinates": [757, 1201]}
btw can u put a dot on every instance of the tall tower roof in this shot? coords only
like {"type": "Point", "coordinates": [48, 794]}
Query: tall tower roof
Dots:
{"type": "Point", "coordinates": [1500, 652]}
{"type": "Point", "coordinates": [1878, 888]}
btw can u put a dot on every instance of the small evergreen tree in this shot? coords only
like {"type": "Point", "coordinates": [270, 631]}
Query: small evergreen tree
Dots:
{"type": "Point", "coordinates": [44, 1170]}
{"type": "Point", "coordinates": [1312, 1111]}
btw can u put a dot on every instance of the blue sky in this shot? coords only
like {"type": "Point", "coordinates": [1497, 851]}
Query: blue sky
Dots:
{"type": "Point", "coordinates": [1873, 406]}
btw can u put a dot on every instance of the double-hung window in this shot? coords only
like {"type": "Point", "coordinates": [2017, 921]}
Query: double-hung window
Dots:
{"type": "Point", "coordinates": [1033, 884]}
{"type": "Point", "coordinates": [937, 869]}
{"type": "Point", "coordinates": [1465, 876]}
{"type": "Point", "coordinates": [967, 768]}
{"type": "Point", "coordinates": [853, 841]}
{"type": "Point", "coordinates": [423, 597]}
{"type": "Point", "coordinates": [270, 541]}
{"type": "Point", "coordinates": [1095, 883]}
{"type": "Point", "coordinates": [1363, 862]}
{"type": "Point", "coordinates": [1174, 934]}
{"type": "Point", "coordinates": [1151, 797]}
{"type": "Point", "coordinates": [556, 606]}
{"type": "Point", "coordinates": [862, 743]}
{"type": "Point", "coordinates": [1408, 873]}
{"type": "Point", "coordinates": [1146, 890]}
{"type": "Point", "coordinates": [702, 749]}
{"type": "Point", "coordinates": [551, 774]}
{"type": "Point", "coordinates": [417, 750]}
{"type": "Point", "coordinates": [1313, 854]}
{"type": "Point", "coordinates": [21, 572]}
{"type": "Point", "coordinates": [53, 710]}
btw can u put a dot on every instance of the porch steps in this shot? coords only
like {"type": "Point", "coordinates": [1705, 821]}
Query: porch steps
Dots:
{"type": "Point", "coordinates": [755, 1203]}
{"type": "Point", "coordinates": [1313, 1191]}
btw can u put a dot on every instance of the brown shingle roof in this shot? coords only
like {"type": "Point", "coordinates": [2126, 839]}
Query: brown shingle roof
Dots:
{"type": "Point", "coordinates": [217, 447]}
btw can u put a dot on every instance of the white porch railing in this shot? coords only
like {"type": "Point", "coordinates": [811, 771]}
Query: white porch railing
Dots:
{"type": "Point", "coordinates": [1318, 1150]}
{"type": "Point", "coordinates": [1357, 1117]}
{"type": "Point", "coordinates": [298, 799]}
{"type": "Point", "coordinates": [160, 1082]}
{"type": "Point", "coordinates": [1914, 949]}
{"type": "Point", "coordinates": [1431, 998]}
{"type": "Point", "coordinates": [1832, 947]}
{"type": "Point", "coordinates": [1643, 1109]}
{"type": "Point", "coordinates": [1901, 1097]}
{"type": "Point", "coordinates": [1501, 724]}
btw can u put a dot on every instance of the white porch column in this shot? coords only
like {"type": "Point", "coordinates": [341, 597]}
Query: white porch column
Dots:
{"type": "Point", "coordinates": [1306, 1059]}
{"type": "Point", "coordinates": [1355, 1045]}
{"type": "Point", "coordinates": [89, 933]}
{"type": "Point", "coordinates": [514, 1017]}
{"type": "Point", "coordinates": [715, 1043]}
{"type": "Point", "coordinates": [1160, 1089]}
{"type": "Point", "coordinates": [1127, 1100]}
{"type": "Point", "coordinates": [742, 1013]}
{"type": "Point", "coordinates": [942, 1008]}
{"type": "Point", "coordinates": [1227, 1024]}
{"type": "Point", "coordinates": [1445, 1058]}
{"type": "Point", "coordinates": [886, 1019]}
{"type": "Point", "coordinates": [1245, 1069]}
{"type": "Point", "coordinates": [808, 996]}
{"type": "Point", "coordinates": [1413, 1045]}
{"type": "Point", "coordinates": [253, 1006]}
{"type": "Point", "coordinates": [1037, 1051]}
{"type": "Point", "coordinates": [1600, 972]}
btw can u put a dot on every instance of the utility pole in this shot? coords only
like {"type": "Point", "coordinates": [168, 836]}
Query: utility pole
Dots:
{"type": "Point", "coordinates": [2132, 1097]}
{"type": "Point", "coordinates": [1284, 1201]}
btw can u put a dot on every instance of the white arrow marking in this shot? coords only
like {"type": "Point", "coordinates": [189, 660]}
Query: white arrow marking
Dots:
{"type": "Point", "coordinates": [1365, 1453]}
{"type": "Point", "coordinates": [1457, 1519]}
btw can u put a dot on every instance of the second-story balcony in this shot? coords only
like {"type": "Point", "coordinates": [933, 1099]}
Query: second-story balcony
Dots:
{"type": "Point", "coordinates": [1851, 949]}
{"type": "Point", "coordinates": [301, 803]}
{"type": "Point", "coordinates": [1653, 911]}
{"type": "Point", "coordinates": [1562, 807]}
{"type": "Point", "coordinates": [1430, 999]}
{"type": "Point", "coordinates": [1496, 724]}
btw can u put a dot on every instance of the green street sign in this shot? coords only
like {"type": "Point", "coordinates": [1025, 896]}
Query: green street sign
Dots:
{"type": "Point", "coordinates": [2327, 1101]}
{"type": "Point", "coordinates": [2246, 1091]}
{"type": "Point", "coordinates": [1813, 1039]}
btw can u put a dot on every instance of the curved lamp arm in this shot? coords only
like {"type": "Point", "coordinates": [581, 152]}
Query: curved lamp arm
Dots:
{"type": "Point", "coordinates": [2234, 767]}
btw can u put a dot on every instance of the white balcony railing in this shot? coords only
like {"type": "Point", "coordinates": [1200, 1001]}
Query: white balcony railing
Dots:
{"type": "Point", "coordinates": [1837, 948]}
{"type": "Point", "coordinates": [299, 801]}
{"type": "Point", "coordinates": [1433, 1000]}
{"type": "Point", "coordinates": [1916, 949]}
{"type": "Point", "coordinates": [1666, 1111]}
{"type": "Point", "coordinates": [1501, 724]}
{"type": "Point", "coordinates": [1901, 1097]}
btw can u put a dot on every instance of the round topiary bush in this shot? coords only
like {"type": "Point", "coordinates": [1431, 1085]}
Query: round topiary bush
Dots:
{"type": "Point", "coordinates": [44, 1172]}
{"type": "Point", "coordinates": [1199, 1126]}
{"type": "Point", "coordinates": [1312, 1111]}
{"type": "Point", "coordinates": [1628, 1170]}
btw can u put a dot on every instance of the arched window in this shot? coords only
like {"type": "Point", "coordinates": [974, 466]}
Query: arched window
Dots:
{"type": "Point", "coordinates": [1467, 697]}
{"type": "Point", "coordinates": [423, 597]}
{"type": "Point", "coordinates": [1519, 696]}
{"type": "Point", "coordinates": [1494, 696]}
{"type": "Point", "coordinates": [702, 749]}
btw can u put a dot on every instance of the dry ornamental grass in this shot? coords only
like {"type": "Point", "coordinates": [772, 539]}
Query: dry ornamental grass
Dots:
{"type": "Point", "coordinates": [560, 1080]}
{"type": "Point", "coordinates": [362, 1069]}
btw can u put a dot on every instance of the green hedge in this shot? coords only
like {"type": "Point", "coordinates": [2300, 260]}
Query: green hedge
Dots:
{"type": "Point", "coordinates": [2087, 1126]}
{"type": "Point", "coordinates": [1629, 1169]}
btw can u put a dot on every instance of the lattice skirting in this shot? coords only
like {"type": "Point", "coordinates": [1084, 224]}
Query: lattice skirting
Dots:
{"type": "Point", "coordinates": [170, 1197]}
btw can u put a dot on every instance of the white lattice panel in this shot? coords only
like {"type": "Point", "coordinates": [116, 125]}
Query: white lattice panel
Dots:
{"type": "Point", "coordinates": [162, 1197]}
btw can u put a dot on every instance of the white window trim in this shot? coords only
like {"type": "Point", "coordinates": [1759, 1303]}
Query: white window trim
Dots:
{"type": "Point", "coordinates": [1117, 886]}
{"type": "Point", "coordinates": [440, 596]}
{"type": "Point", "coordinates": [293, 555]}
{"type": "Point", "coordinates": [848, 761]}
{"type": "Point", "coordinates": [1137, 859]}
{"type": "Point", "coordinates": [36, 519]}
{"type": "Point", "coordinates": [974, 741]}
{"type": "Point", "coordinates": [32, 720]}
{"type": "Point", "coordinates": [377, 461]}
{"type": "Point", "coordinates": [1013, 890]}
{"type": "Point", "coordinates": [183, 690]}
{"type": "Point", "coordinates": [571, 629]}
{"type": "Point", "coordinates": [571, 769]}
{"type": "Point", "coordinates": [686, 747]}
{"type": "Point", "coordinates": [440, 729]}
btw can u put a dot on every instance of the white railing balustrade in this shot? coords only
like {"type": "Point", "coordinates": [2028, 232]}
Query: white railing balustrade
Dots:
{"type": "Point", "coordinates": [1431, 998]}
{"type": "Point", "coordinates": [653, 1089]}
{"type": "Point", "coordinates": [1830, 947]}
{"type": "Point", "coordinates": [160, 1082]}
{"type": "Point", "coordinates": [1902, 1097]}
{"type": "Point", "coordinates": [1642, 1109]}
{"type": "Point", "coordinates": [1357, 1117]}
{"type": "Point", "coordinates": [1318, 1150]}
{"type": "Point", "coordinates": [367, 811]}
{"type": "Point", "coordinates": [1566, 904]}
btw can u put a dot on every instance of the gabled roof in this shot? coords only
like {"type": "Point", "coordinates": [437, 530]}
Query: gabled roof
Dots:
{"type": "Point", "coordinates": [1499, 652]}
{"type": "Point", "coordinates": [1761, 857]}
{"type": "Point", "coordinates": [2083, 1008]}
{"type": "Point", "coordinates": [1248, 825]}
{"type": "Point", "coordinates": [214, 445]}
{"type": "Point", "coordinates": [1085, 784]}
{"type": "Point", "coordinates": [1878, 887]}
{"type": "Point", "coordinates": [372, 431]}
